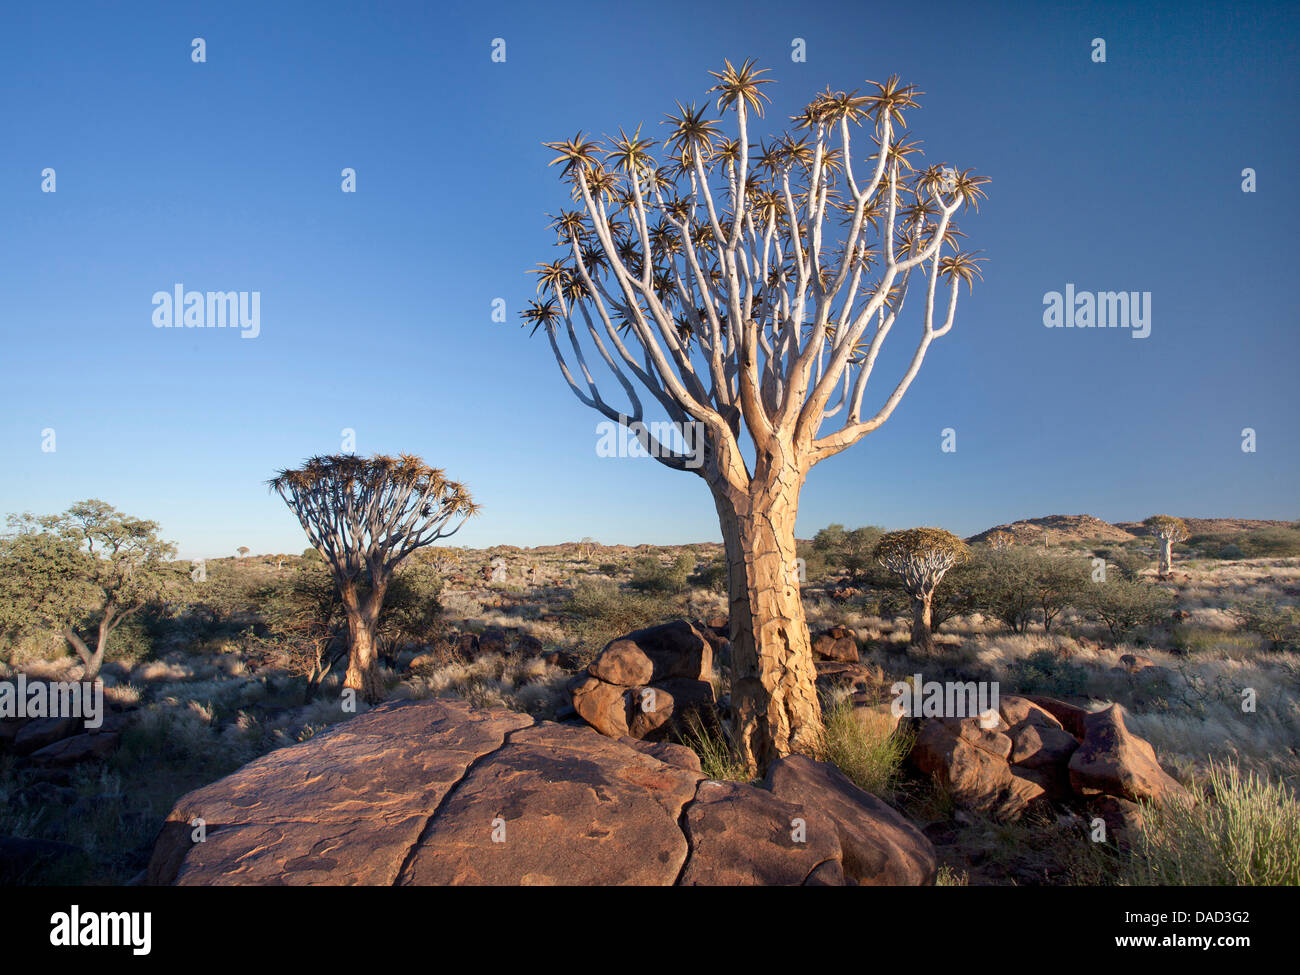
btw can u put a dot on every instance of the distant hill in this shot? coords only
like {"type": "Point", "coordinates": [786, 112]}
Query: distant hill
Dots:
{"type": "Point", "coordinates": [1211, 526]}
{"type": "Point", "coordinates": [1059, 529]}
{"type": "Point", "coordinates": [1064, 529]}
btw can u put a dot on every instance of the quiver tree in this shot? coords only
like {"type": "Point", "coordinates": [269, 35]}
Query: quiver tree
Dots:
{"type": "Point", "coordinates": [921, 557]}
{"type": "Point", "coordinates": [1167, 529]}
{"type": "Point", "coordinates": [83, 574]}
{"type": "Point", "coordinates": [1000, 540]}
{"type": "Point", "coordinates": [364, 516]}
{"type": "Point", "coordinates": [734, 287]}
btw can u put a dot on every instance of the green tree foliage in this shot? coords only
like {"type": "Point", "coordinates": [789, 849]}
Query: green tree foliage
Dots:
{"type": "Point", "coordinates": [83, 573]}
{"type": "Point", "coordinates": [1125, 604]}
{"type": "Point", "coordinates": [652, 576]}
{"type": "Point", "coordinates": [851, 551]}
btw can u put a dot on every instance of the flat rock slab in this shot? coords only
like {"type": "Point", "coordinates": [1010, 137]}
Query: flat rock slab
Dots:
{"type": "Point", "coordinates": [559, 805]}
{"type": "Point", "coordinates": [345, 807]}
{"type": "Point", "coordinates": [438, 792]}
{"type": "Point", "coordinates": [744, 836]}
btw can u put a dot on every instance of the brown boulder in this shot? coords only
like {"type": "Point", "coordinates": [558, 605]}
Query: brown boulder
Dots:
{"type": "Point", "coordinates": [344, 807]}
{"type": "Point", "coordinates": [1037, 746]}
{"type": "Point", "coordinates": [558, 805]}
{"type": "Point", "coordinates": [1123, 819]}
{"type": "Point", "coordinates": [658, 709]}
{"type": "Point", "coordinates": [603, 706]}
{"type": "Point", "coordinates": [1070, 717]}
{"type": "Point", "coordinates": [837, 643]}
{"type": "Point", "coordinates": [39, 732]}
{"type": "Point", "coordinates": [879, 847]}
{"type": "Point", "coordinates": [1114, 761]}
{"type": "Point", "coordinates": [1017, 710]}
{"type": "Point", "coordinates": [654, 654]}
{"type": "Point", "coordinates": [667, 752]}
{"type": "Point", "coordinates": [971, 763]}
{"type": "Point", "coordinates": [78, 748]}
{"type": "Point", "coordinates": [743, 836]}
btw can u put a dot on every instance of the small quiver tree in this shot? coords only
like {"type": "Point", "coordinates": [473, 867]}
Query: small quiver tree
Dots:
{"type": "Point", "coordinates": [921, 557]}
{"type": "Point", "coordinates": [1167, 530]}
{"type": "Point", "coordinates": [364, 516]}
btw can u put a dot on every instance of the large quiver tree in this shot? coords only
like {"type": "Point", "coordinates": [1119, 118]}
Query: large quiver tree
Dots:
{"type": "Point", "coordinates": [364, 516]}
{"type": "Point", "coordinates": [741, 286]}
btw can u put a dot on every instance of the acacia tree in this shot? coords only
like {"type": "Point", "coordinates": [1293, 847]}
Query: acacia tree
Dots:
{"type": "Point", "coordinates": [83, 573]}
{"type": "Point", "coordinates": [364, 516]}
{"type": "Point", "coordinates": [921, 557]}
{"type": "Point", "coordinates": [1167, 529]}
{"type": "Point", "coordinates": [745, 287]}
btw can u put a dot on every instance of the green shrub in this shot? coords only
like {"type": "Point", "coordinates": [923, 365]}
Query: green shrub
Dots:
{"type": "Point", "coordinates": [1278, 626]}
{"type": "Point", "coordinates": [718, 759]}
{"type": "Point", "coordinates": [712, 575]}
{"type": "Point", "coordinates": [1126, 604]}
{"type": "Point", "coordinates": [866, 747]}
{"type": "Point", "coordinates": [1244, 831]}
{"type": "Point", "coordinates": [651, 575]}
{"type": "Point", "coordinates": [1048, 672]}
{"type": "Point", "coordinates": [603, 612]}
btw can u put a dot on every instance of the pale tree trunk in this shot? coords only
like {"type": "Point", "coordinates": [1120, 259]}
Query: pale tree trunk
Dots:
{"type": "Point", "coordinates": [363, 653]}
{"type": "Point", "coordinates": [773, 685]}
{"type": "Point", "coordinates": [1166, 556]}
{"type": "Point", "coordinates": [921, 637]}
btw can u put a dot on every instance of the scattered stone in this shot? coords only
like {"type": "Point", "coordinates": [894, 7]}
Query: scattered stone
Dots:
{"type": "Point", "coordinates": [1133, 662]}
{"type": "Point", "coordinates": [493, 640]}
{"type": "Point", "coordinates": [91, 747]}
{"type": "Point", "coordinates": [837, 643]}
{"type": "Point", "coordinates": [560, 658]}
{"type": "Point", "coordinates": [528, 644]}
{"type": "Point", "coordinates": [39, 732]}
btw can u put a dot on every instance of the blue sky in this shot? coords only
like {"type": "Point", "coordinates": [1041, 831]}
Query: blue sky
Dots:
{"type": "Point", "coordinates": [376, 306]}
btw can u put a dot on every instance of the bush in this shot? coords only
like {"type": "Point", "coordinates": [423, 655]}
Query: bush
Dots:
{"type": "Point", "coordinates": [1270, 543]}
{"type": "Point", "coordinates": [1047, 672]}
{"type": "Point", "coordinates": [712, 575]}
{"type": "Point", "coordinates": [1126, 604]}
{"type": "Point", "coordinates": [865, 747]}
{"type": "Point", "coordinates": [1127, 563]}
{"type": "Point", "coordinates": [651, 575]}
{"type": "Point", "coordinates": [1244, 832]}
{"type": "Point", "coordinates": [718, 759]}
{"type": "Point", "coordinates": [837, 548]}
{"type": "Point", "coordinates": [604, 612]}
{"type": "Point", "coordinates": [1279, 626]}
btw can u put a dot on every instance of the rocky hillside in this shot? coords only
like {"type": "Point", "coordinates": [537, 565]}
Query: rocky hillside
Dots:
{"type": "Point", "coordinates": [1211, 526]}
{"type": "Point", "coordinates": [1060, 529]}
